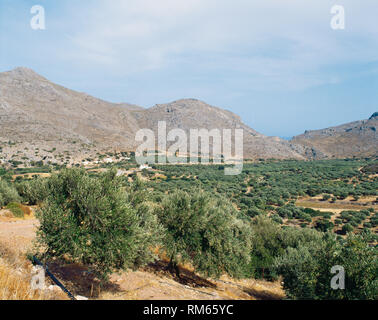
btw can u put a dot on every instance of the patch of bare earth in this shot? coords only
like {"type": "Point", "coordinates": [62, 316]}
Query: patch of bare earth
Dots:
{"type": "Point", "coordinates": [156, 283]}
{"type": "Point", "coordinates": [316, 203]}
{"type": "Point", "coordinates": [31, 175]}
{"type": "Point", "coordinates": [17, 234]}
{"type": "Point", "coordinates": [15, 270]}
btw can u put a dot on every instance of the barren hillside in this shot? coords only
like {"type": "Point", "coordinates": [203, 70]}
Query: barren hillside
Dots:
{"type": "Point", "coordinates": [355, 139]}
{"type": "Point", "coordinates": [40, 120]}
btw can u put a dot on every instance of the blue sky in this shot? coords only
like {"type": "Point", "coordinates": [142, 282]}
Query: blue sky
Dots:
{"type": "Point", "coordinates": [276, 63]}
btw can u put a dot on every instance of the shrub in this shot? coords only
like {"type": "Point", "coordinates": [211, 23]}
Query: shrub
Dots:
{"type": "Point", "coordinates": [8, 193]}
{"type": "Point", "coordinates": [374, 221]}
{"type": "Point", "coordinates": [306, 270]}
{"type": "Point", "coordinates": [16, 209]}
{"type": "Point", "coordinates": [270, 241]}
{"type": "Point", "coordinates": [205, 232]}
{"type": "Point", "coordinates": [265, 247]}
{"type": "Point", "coordinates": [347, 228]}
{"type": "Point", "coordinates": [253, 212]}
{"type": "Point", "coordinates": [33, 191]}
{"type": "Point", "coordinates": [324, 225]}
{"type": "Point", "coordinates": [276, 218]}
{"type": "Point", "coordinates": [89, 220]}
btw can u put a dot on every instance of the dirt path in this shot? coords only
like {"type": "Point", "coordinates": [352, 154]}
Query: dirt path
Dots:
{"type": "Point", "coordinates": [17, 234]}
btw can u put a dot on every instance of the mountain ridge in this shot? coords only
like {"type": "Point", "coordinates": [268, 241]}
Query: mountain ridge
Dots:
{"type": "Point", "coordinates": [37, 116]}
{"type": "Point", "coordinates": [354, 139]}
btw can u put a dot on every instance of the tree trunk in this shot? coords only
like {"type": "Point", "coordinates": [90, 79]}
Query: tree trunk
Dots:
{"type": "Point", "coordinates": [174, 268]}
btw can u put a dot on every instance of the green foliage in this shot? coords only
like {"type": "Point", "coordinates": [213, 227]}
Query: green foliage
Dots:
{"type": "Point", "coordinates": [16, 209]}
{"type": "Point", "coordinates": [324, 225]}
{"type": "Point", "coordinates": [306, 270]}
{"type": "Point", "coordinates": [206, 232]}
{"type": "Point", "coordinates": [109, 224]}
{"type": "Point", "coordinates": [140, 199]}
{"type": "Point", "coordinates": [33, 191]}
{"type": "Point", "coordinates": [272, 187]}
{"type": "Point", "coordinates": [89, 220]}
{"type": "Point", "coordinates": [347, 228]}
{"type": "Point", "coordinates": [8, 193]}
{"type": "Point", "coordinates": [269, 241]}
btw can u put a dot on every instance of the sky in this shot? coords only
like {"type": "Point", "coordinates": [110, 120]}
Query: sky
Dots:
{"type": "Point", "coordinates": [278, 64]}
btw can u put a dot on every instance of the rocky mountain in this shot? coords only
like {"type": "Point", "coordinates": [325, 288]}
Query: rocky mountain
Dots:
{"type": "Point", "coordinates": [37, 115]}
{"type": "Point", "coordinates": [354, 139]}
{"type": "Point", "coordinates": [43, 120]}
{"type": "Point", "coordinates": [192, 114]}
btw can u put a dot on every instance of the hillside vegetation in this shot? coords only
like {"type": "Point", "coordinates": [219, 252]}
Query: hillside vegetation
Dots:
{"type": "Point", "coordinates": [245, 226]}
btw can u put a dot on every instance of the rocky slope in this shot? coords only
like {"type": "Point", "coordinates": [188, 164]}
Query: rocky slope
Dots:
{"type": "Point", "coordinates": [35, 112]}
{"type": "Point", "coordinates": [355, 139]}
{"type": "Point", "coordinates": [42, 120]}
{"type": "Point", "coordinates": [192, 114]}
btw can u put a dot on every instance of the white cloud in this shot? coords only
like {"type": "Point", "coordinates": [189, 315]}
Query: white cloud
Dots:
{"type": "Point", "coordinates": [285, 44]}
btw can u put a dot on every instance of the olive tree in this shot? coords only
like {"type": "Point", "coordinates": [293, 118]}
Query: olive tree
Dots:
{"type": "Point", "coordinates": [270, 240]}
{"type": "Point", "coordinates": [89, 220]}
{"type": "Point", "coordinates": [33, 191]}
{"type": "Point", "coordinates": [306, 270]}
{"type": "Point", "coordinates": [205, 232]}
{"type": "Point", "coordinates": [8, 193]}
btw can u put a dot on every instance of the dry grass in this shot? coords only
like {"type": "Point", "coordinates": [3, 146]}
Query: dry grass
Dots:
{"type": "Point", "coordinates": [15, 278]}
{"type": "Point", "coordinates": [17, 210]}
{"type": "Point", "coordinates": [14, 286]}
{"type": "Point", "coordinates": [331, 206]}
{"type": "Point", "coordinates": [155, 282]}
{"type": "Point", "coordinates": [26, 210]}
{"type": "Point", "coordinates": [159, 285]}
